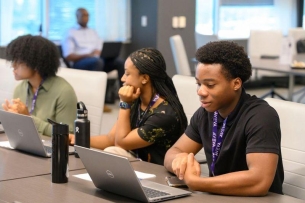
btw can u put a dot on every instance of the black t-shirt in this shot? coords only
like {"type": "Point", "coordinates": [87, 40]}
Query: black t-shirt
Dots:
{"type": "Point", "coordinates": [252, 127]}
{"type": "Point", "coordinates": [161, 127]}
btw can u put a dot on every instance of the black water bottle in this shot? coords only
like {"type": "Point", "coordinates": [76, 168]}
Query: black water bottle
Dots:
{"type": "Point", "coordinates": [60, 152]}
{"type": "Point", "coordinates": [82, 127]}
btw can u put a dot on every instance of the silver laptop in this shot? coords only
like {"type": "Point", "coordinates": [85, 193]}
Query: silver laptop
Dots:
{"type": "Point", "coordinates": [114, 173]}
{"type": "Point", "coordinates": [23, 135]}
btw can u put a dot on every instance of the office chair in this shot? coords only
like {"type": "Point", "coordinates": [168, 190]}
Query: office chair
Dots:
{"type": "Point", "coordinates": [90, 88]}
{"type": "Point", "coordinates": [267, 45]}
{"type": "Point", "coordinates": [292, 118]}
{"type": "Point", "coordinates": [112, 78]}
{"type": "Point", "coordinates": [7, 81]}
{"type": "Point", "coordinates": [185, 85]}
{"type": "Point", "coordinates": [180, 56]}
{"type": "Point", "coordinates": [111, 50]}
{"type": "Point", "coordinates": [272, 93]}
{"type": "Point", "coordinates": [201, 39]}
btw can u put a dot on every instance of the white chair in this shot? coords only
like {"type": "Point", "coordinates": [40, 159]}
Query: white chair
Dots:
{"type": "Point", "coordinates": [292, 118]}
{"type": "Point", "coordinates": [265, 42]}
{"type": "Point", "coordinates": [112, 76]}
{"type": "Point", "coordinates": [180, 56]}
{"type": "Point", "coordinates": [7, 81]}
{"type": "Point", "coordinates": [201, 39]}
{"type": "Point", "coordinates": [187, 92]}
{"type": "Point", "coordinates": [90, 88]}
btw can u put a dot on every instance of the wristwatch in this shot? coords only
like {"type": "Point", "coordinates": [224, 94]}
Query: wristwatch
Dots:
{"type": "Point", "coordinates": [124, 105]}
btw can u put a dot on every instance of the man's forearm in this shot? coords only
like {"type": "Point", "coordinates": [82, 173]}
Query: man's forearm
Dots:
{"type": "Point", "coordinates": [255, 181]}
{"type": "Point", "coordinates": [241, 183]}
{"type": "Point", "coordinates": [171, 154]}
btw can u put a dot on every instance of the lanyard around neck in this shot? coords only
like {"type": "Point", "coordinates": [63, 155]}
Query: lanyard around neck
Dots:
{"type": "Point", "coordinates": [151, 103]}
{"type": "Point", "coordinates": [217, 140]}
{"type": "Point", "coordinates": [34, 97]}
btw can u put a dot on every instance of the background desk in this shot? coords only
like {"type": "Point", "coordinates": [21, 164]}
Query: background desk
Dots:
{"type": "Point", "coordinates": [15, 164]}
{"type": "Point", "coordinates": [41, 189]}
{"type": "Point", "coordinates": [274, 65]}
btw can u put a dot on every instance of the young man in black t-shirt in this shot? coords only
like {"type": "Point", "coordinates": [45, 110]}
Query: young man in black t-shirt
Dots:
{"type": "Point", "coordinates": [240, 133]}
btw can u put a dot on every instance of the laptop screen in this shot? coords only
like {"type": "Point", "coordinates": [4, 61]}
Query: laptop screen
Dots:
{"type": "Point", "coordinates": [111, 50]}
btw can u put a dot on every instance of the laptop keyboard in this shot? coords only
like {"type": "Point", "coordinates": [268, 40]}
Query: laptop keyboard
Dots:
{"type": "Point", "coordinates": [152, 193]}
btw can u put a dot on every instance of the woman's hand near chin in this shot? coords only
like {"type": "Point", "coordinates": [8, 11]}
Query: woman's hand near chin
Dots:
{"type": "Point", "coordinates": [128, 93]}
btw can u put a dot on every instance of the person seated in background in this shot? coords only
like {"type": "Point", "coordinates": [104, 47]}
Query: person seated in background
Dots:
{"type": "Point", "coordinates": [151, 117]}
{"type": "Point", "coordinates": [82, 47]}
{"type": "Point", "coordinates": [240, 133]}
{"type": "Point", "coordinates": [41, 94]}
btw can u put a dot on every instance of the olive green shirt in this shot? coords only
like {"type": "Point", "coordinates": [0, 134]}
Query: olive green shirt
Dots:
{"type": "Point", "coordinates": [56, 100]}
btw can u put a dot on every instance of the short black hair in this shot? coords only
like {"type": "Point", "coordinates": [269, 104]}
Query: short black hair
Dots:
{"type": "Point", "coordinates": [37, 52]}
{"type": "Point", "coordinates": [234, 60]}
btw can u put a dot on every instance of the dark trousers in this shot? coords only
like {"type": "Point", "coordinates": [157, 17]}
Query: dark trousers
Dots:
{"type": "Point", "coordinates": [100, 64]}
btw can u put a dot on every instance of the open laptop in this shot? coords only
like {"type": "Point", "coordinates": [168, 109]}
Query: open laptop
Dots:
{"type": "Point", "coordinates": [111, 50]}
{"type": "Point", "coordinates": [23, 135]}
{"type": "Point", "coordinates": [114, 173]}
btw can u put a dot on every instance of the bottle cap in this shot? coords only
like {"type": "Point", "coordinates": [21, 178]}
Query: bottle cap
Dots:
{"type": "Point", "coordinates": [59, 128]}
{"type": "Point", "coordinates": [82, 111]}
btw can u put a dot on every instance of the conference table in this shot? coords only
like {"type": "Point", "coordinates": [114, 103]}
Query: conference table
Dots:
{"type": "Point", "coordinates": [274, 65]}
{"type": "Point", "coordinates": [29, 180]}
{"type": "Point", "coordinates": [15, 164]}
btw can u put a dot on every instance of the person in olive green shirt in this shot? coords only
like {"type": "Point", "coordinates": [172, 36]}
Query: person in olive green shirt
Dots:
{"type": "Point", "coordinates": [41, 94]}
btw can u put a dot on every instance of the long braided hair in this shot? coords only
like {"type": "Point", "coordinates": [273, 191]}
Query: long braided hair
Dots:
{"type": "Point", "coordinates": [151, 62]}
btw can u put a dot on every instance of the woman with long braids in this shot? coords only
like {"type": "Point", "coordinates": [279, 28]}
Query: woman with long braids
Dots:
{"type": "Point", "coordinates": [151, 117]}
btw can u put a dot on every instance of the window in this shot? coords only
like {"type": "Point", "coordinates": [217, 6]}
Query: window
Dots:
{"type": "Point", "coordinates": [19, 17]}
{"type": "Point", "coordinates": [110, 18]}
{"type": "Point", "coordinates": [235, 18]}
{"type": "Point", "coordinates": [204, 17]}
{"type": "Point", "coordinates": [237, 21]}
{"type": "Point", "coordinates": [62, 16]}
